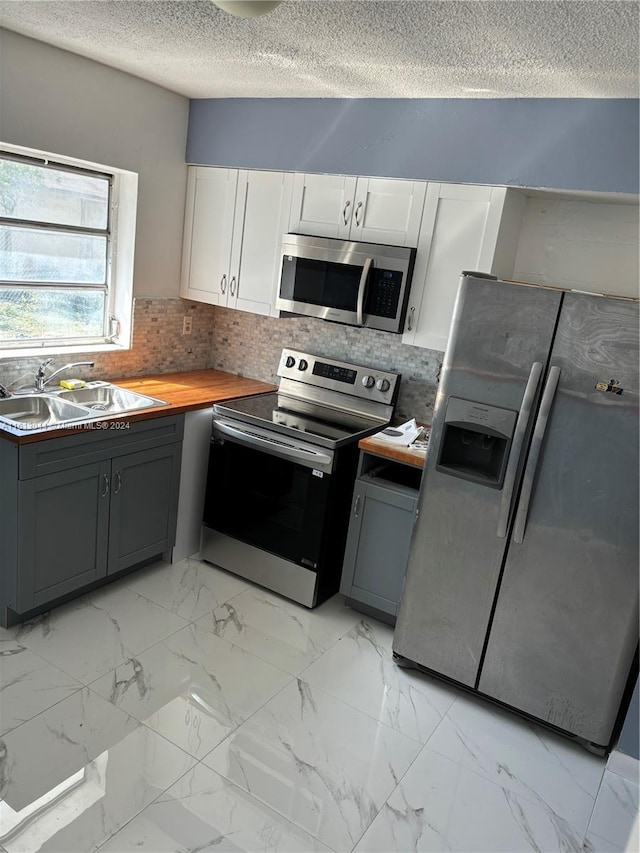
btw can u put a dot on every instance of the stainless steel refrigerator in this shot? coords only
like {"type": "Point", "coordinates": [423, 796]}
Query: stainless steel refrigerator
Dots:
{"type": "Point", "coordinates": [522, 581]}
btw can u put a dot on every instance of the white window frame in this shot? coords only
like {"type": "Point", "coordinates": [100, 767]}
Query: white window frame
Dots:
{"type": "Point", "coordinates": [123, 201]}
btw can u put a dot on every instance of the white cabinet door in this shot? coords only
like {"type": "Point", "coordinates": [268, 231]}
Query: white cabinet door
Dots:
{"type": "Point", "coordinates": [387, 211]}
{"type": "Point", "coordinates": [206, 253]}
{"type": "Point", "coordinates": [263, 205]}
{"type": "Point", "coordinates": [322, 205]}
{"type": "Point", "coordinates": [372, 210]}
{"type": "Point", "coordinates": [463, 228]}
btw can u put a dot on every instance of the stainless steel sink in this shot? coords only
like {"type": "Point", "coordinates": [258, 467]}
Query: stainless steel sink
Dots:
{"type": "Point", "coordinates": [38, 411]}
{"type": "Point", "coordinates": [110, 399]}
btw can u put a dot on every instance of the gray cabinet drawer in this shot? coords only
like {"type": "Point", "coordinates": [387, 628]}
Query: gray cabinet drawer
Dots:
{"type": "Point", "coordinates": [58, 454]}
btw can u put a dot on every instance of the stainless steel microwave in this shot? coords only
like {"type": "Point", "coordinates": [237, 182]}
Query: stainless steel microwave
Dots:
{"type": "Point", "coordinates": [360, 284]}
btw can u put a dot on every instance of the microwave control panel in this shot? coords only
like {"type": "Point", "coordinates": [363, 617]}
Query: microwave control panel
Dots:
{"type": "Point", "coordinates": [383, 295]}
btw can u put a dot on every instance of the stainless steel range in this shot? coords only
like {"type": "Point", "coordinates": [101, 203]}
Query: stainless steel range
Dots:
{"type": "Point", "coordinates": [281, 473]}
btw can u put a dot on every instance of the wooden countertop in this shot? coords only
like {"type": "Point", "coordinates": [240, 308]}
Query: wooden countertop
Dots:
{"type": "Point", "coordinates": [183, 392]}
{"type": "Point", "coordinates": [408, 455]}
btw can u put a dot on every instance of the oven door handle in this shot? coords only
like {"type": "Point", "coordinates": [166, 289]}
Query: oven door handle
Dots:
{"type": "Point", "coordinates": [362, 287]}
{"type": "Point", "coordinates": [278, 448]}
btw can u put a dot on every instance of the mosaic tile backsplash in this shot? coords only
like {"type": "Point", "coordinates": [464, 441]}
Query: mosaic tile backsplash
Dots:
{"type": "Point", "coordinates": [158, 346]}
{"type": "Point", "coordinates": [247, 345]}
{"type": "Point", "coordinates": [250, 345]}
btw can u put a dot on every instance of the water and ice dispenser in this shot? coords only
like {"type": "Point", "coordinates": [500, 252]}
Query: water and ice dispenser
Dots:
{"type": "Point", "coordinates": [475, 442]}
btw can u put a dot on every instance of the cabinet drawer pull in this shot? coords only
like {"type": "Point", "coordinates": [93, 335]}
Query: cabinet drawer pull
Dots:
{"type": "Point", "coordinates": [104, 493]}
{"type": "Point", "coordinates": [223, 284]}
{"type": "Point", "coordinates": [232, 286]}
{"type": "Point", "coordinates": [410, 323]}
{"type": "Point", "coordinates": [118, 483]}
{"type": "Point", "coordinates": [356, 506]}
{"type": "Point", "coordinates": [347, 205]}
{"type": "Point", "coordinates": [358, 206]}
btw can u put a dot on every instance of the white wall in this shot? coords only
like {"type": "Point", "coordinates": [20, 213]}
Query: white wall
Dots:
{"type": "Point", "coordinates": [578, 244]}
{"type": "Point", "coordinates": [61, 103]}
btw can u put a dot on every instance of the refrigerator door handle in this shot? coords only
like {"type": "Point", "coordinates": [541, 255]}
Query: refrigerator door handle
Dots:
{"type": "Point", "coordinates": [534, 454]}
{"type": "Point", "coordinates": [517, 445]}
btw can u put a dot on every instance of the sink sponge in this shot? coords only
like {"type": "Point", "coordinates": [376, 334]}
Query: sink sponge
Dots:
{"type": "Point", "coordinates": [72, 384]}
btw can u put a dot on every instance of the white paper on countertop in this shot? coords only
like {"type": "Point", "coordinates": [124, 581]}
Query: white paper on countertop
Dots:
{"type": "Point", "coordinates": [400, 436]}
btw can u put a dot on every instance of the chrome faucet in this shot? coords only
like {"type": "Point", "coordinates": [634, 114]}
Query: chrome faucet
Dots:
{"type": "Point", "coordinates": [40, 372]}
{"type": "Point", "coordinates": [4, 393]}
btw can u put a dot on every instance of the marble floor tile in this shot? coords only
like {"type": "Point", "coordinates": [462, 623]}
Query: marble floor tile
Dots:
{"type": "Point", "coordinates": [322, 764]}
{"type": "Point", "coordinates": [440, 805]}
{"type": "Point", "coordinates": [28, 685]}
{"type": "Point", "coordinates": [193, 688]}
{"type": "Point", "coordinates": [93, 634]}
{"type": "Point", "coordinates": [594, 844]}
{"type": "Point", "coordinates": [359, 669]}
{"type": "Point", "coordinates": [282, 632]}
{"type": "Point", "coordinates": [73, 775]}
{"type": "Point", "coordinates": [189, 588]}
{"type": "Point", "coordinates": [205, 813]}
{"type": "Point", "coordinates": [526, 759]}
{"type": "Point", "coordinates": [615, 810]}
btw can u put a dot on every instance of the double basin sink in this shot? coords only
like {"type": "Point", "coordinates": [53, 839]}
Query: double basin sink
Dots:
{"type": "Point", "coordinates": [56, 409]}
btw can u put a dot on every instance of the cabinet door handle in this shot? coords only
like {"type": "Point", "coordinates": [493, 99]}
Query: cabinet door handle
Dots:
{"type": "Point", "coordinates": [358, 206]}
{"type": "Point", "coordinates": [223, 284]}
{"type": "Point", "coordinates": [105, 492]}
{"type": "Point", "coordinates": [232, 286]}
{"type": "Point", "coordinates": [346, 207]}
{"type": "Point", "coordinates": [118, 483]}
{"type": "Point", "coordinates": [356, 506]}
{"type": "Point", "coordinates": [410, 323]}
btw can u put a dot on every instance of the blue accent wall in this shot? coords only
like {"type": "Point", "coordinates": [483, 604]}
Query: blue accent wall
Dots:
{"type": "Point", "coordinates": [572, 144]}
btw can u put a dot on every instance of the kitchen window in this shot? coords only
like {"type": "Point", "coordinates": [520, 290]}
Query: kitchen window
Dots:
{"type": "Point", "coordinates": [67, 232]}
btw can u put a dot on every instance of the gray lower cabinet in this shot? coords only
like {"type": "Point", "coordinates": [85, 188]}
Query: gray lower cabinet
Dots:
{"type": "Point", "coordinates": [382, 515]}
{"type": "Point", "coordinates": [144, 505]}
{"type": "Point", "coordinates": [63, 529]}
{"type": "Point", "coordinates": [75, 509]}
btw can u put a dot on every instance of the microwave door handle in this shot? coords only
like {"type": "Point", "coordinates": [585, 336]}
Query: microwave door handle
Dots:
{"type": "Point", "coordinates": [534, 454]}
{"type": "Point", "coordinates": [516, 448]}
{"type": "Point", "coordinates": [362, 288]}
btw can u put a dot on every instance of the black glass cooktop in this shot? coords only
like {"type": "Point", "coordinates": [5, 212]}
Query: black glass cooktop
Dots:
{"type": "Point", "coordinates": [321, 424]}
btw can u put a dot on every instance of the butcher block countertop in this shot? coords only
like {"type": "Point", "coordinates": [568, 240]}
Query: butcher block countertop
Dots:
{"type": "Point", "coordinates": [408, 455]}
{"type": "Point", "coordinates": [183, 392]}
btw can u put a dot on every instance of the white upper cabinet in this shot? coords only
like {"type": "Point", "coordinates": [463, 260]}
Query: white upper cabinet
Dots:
{"type": "Point", "coordinates": [206, 252]}
{"type": "Point", "coordinates": [233, 230]}
{"type": "Point", "coordinates": [263, 203]}
{"type": "Point", "coordinates": [387, 211]}
{"type": "Point", "coordinates": [322, 205]}
{"type": "Point", "coordinates": [463, 228]}
{"type": "Point", "coordinates": [372, 210]}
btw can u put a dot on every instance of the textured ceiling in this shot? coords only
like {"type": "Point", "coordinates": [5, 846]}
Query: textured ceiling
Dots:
{"type": "Point", "coordinates": [339, 48]}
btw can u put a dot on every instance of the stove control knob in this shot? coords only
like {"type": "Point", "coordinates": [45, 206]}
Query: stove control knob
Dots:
{"type": "Point", "coordinates": [290, 362]}
{"type": "Point", "coordinates": [368, 381]}
{"type": "Point", "coordinates": [303, 364]}
{"type": "Point", "coordinates": [382, 384]}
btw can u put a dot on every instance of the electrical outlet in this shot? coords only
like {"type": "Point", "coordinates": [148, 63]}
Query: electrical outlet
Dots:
{"type": "Point", "coordinates": [186, 325]}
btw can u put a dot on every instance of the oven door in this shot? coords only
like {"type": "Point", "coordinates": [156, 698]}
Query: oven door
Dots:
{"type": "Point", "coordinates": [268, 491]}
